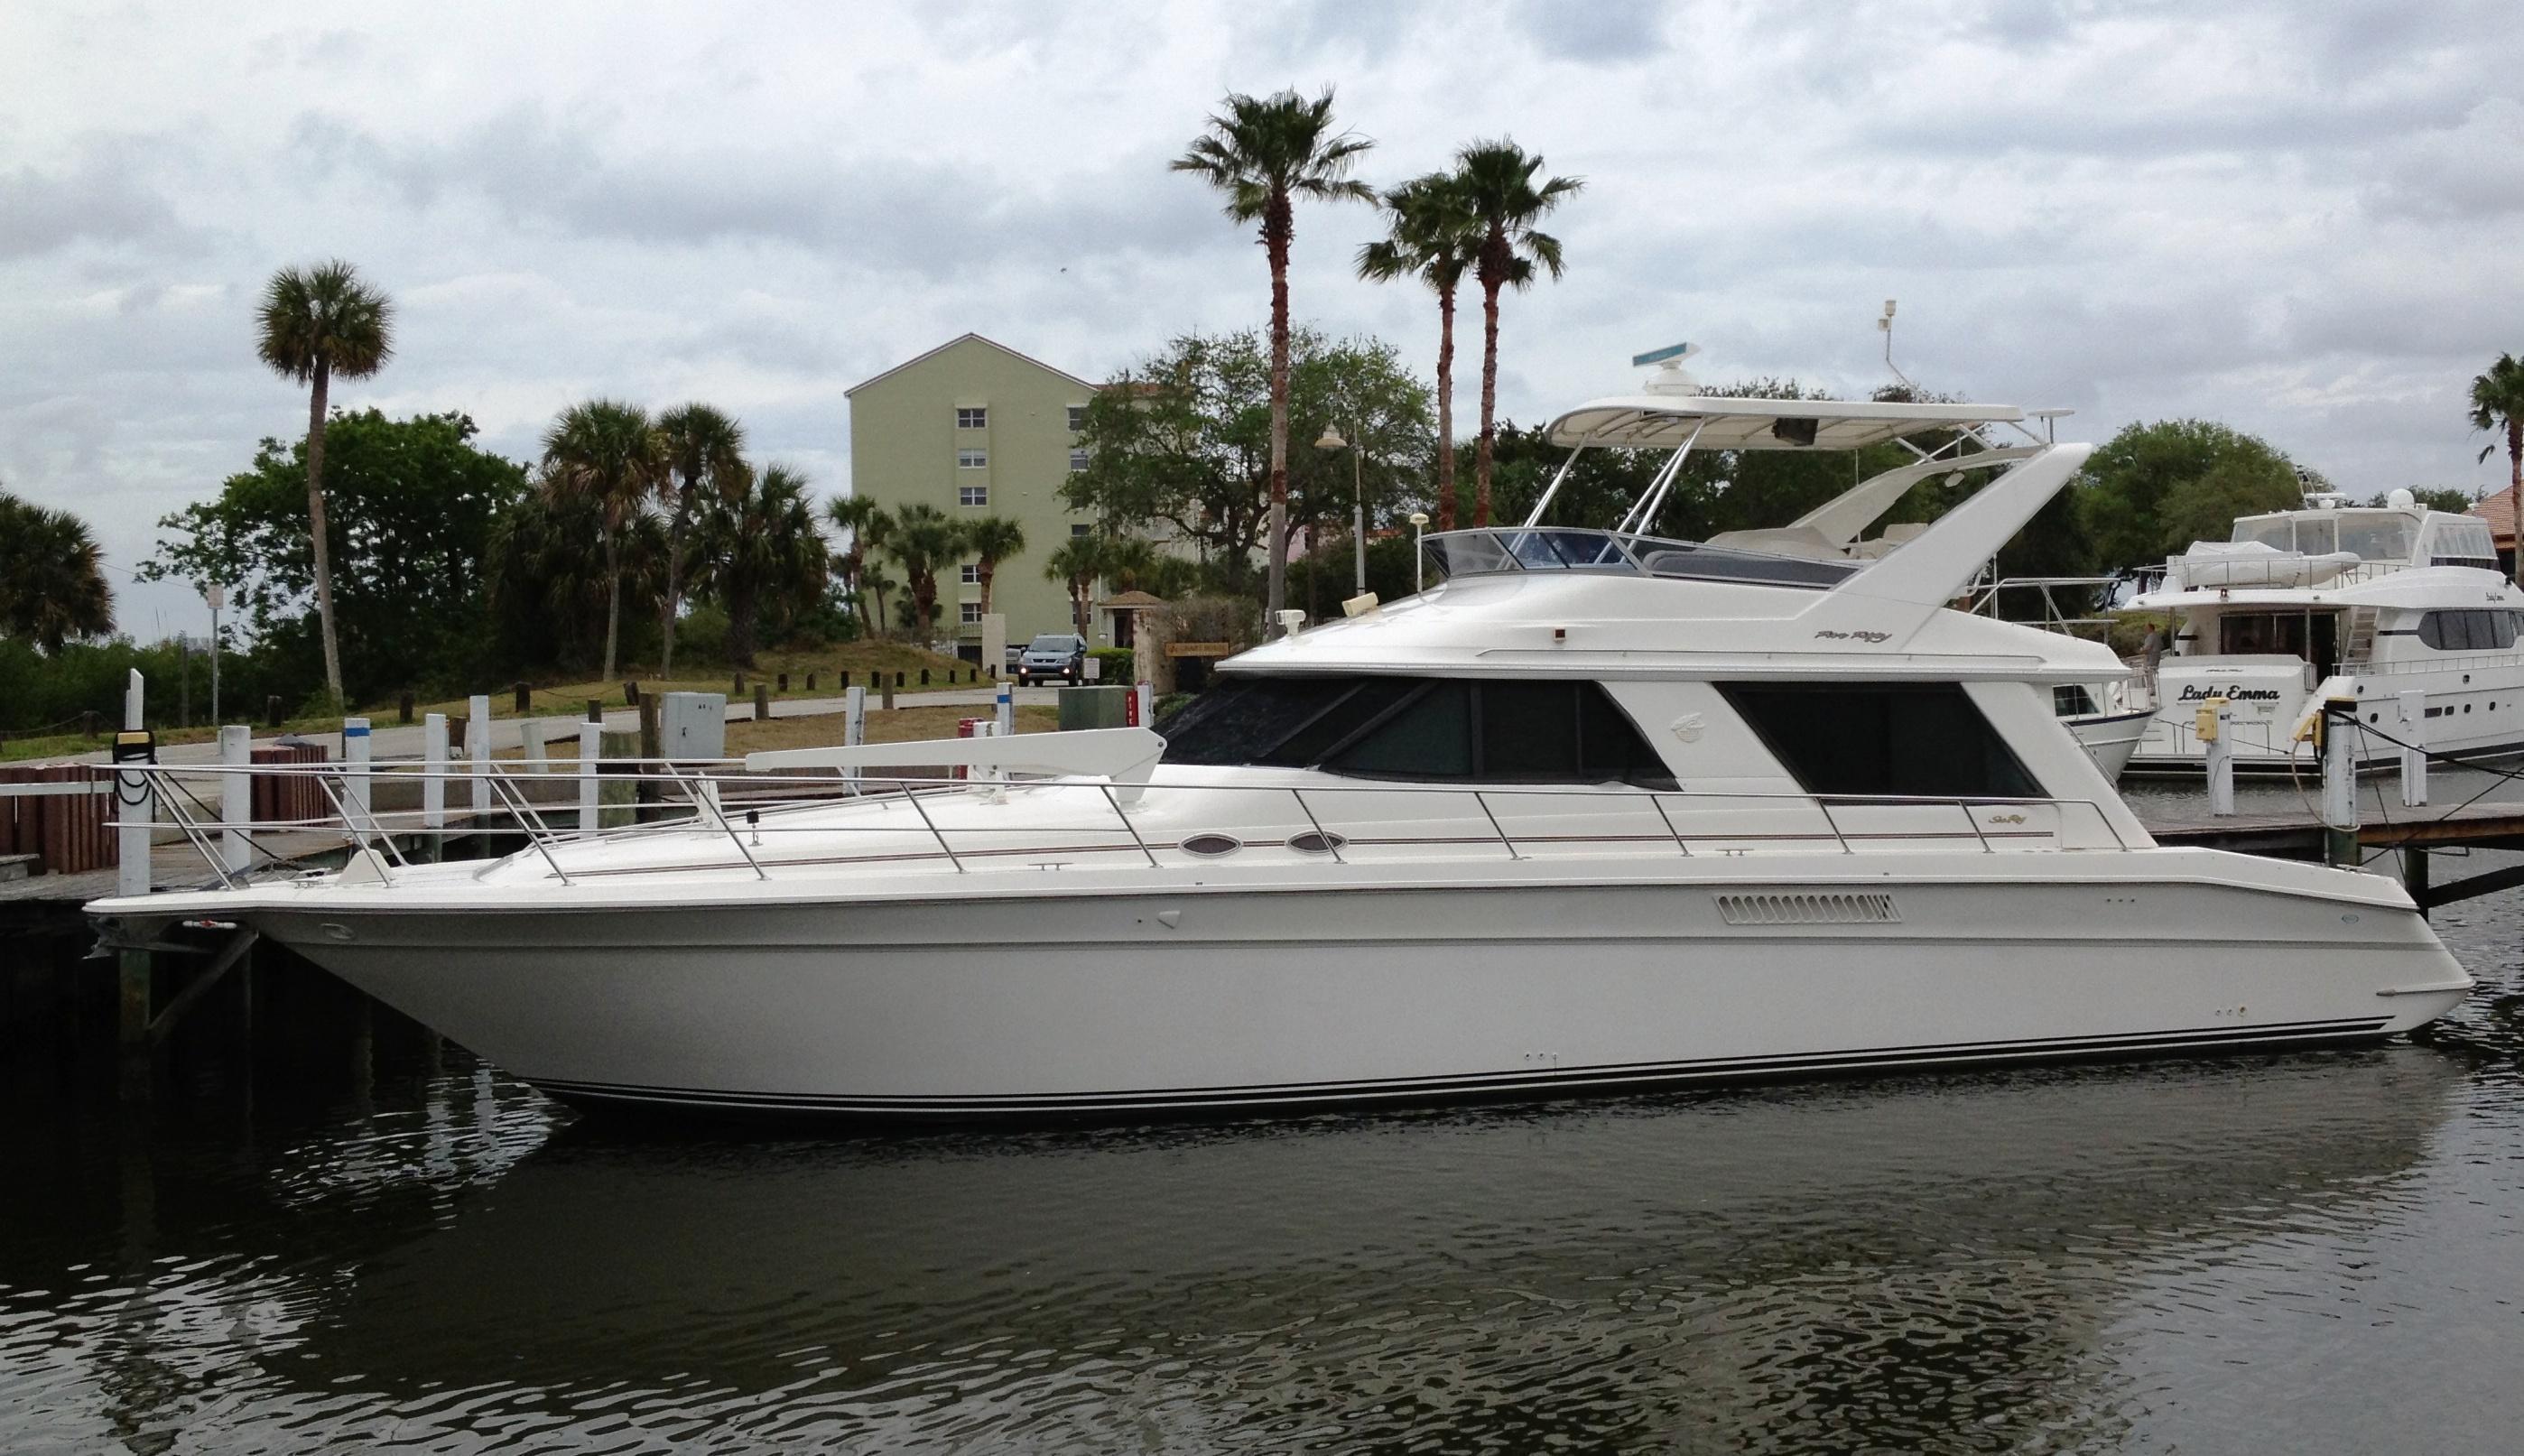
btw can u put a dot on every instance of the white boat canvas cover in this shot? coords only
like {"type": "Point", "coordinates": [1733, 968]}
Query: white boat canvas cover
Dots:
{"type": "Point", "coordinates": [1658, 422]}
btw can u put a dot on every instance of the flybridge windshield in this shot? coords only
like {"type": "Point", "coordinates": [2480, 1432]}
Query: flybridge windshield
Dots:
{"type": "Point", "coordinates": [2368, 535]}
{"type": "Point", "coordinates": [1563, 549]}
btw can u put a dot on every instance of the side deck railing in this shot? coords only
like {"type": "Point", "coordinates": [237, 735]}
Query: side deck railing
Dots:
{"type": "Point", "coordinates": [952, 821]}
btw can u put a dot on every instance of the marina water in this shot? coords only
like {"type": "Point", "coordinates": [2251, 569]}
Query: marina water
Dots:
{"type": "Point", "coordinates": [336, 1233]}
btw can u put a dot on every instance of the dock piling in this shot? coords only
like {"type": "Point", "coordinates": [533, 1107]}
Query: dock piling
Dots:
{"type": "Point", "coordinates": [2339, 726]}
{"type": "Point", "coordinates": [356, 790]}
{"type": "Point", "coordinates": [591, 748]}
{"type": "Point", "coordinates": [477, 746]}
{"type": "Point", "coordinates": [236, 798]}
{"type": "Point", "coordinates": [135, 806]}
{"type": "Point", "coordinates": [2415, 754]}
{"type": "Point", "coordinates": [2217, 715]}
{"type": "Point", "coordinates": [433, 765]}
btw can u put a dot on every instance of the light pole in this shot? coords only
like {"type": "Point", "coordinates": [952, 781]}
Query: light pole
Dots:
{"type": "Point", "coordinates": [218, 596]}
{"type": "Point", "coordinates": [1333, 440]}
{"type": "Point", "coordinates": [1419, 557]}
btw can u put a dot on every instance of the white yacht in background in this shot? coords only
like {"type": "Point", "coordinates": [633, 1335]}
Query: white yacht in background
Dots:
{"type": "Point", "coordinates": [2335, 599]}
{"type": "Point", "coordinates": [1598, 810]}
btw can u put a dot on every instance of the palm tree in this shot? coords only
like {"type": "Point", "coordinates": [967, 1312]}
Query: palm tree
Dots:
{"type": "Point", "coordinates": [1262, 152]}
{"type": "Point", "coordinates": [879, 583]}
{"type": "Point", "coordinates": [762, 548]}
{"type": "Point", "coordinates": [606, 451]}
{"type": "Point", "coordinates": [1076, 565]}
{"type": "Point", "coordinates": [315, 324]}
{"type": "Point", "coordinates": [704, 455]}
{"type": "Point", "coordinates": [1499, 178]}
{"type": "Point", "coordinates": [2498, 403]}
{"type": "Point", "coordinates": [992, 539]}
{"type": "Point", "coordinates": [867, 524]}
{"type": "Point", "coordinates": [544, 578]}
{"type": "Point", "coordinates": [923, 539]}
{"type": "Point", "coordinates": [1432, 236]}
{"type": "Point", "coordinates": [52, 576]}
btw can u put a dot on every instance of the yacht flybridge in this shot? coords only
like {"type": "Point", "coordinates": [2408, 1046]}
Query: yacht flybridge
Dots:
{"type": "Point", "coordinates": [1597, 811]}
{"type": "Point", "coordinates": [2338, 600]}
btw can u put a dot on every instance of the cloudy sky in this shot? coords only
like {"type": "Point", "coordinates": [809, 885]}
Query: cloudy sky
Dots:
{"type": "Point", "coordinates": [2303, 219]}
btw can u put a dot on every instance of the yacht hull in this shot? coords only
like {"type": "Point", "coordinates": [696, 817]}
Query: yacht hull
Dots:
{"type": "Point", "coordinates": [1217, 997]}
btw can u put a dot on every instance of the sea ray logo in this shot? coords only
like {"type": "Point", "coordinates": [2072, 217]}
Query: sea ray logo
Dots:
{"type": "Point", "coordinates": [2194, 692]}
{"type": "Point", "coordinates": [1866, 637]}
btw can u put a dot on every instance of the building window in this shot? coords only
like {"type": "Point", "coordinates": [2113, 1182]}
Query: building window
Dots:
{"type": "Point", "coordinates": [971, 417]}
{"type": "Point", "coordinates": [972, 574]}
{"type": "Point", "coordinates": [971, 495]}
{"type": "Point", "coordinates": [1855, 738]}
{"type": "Point", "coordinates": [1077, 419]}
{"type": "Point", "coordinates": [1077, 460]}
{"type": "Point", "coordinates": [972, 460]}
{"type": "Point", "coordinates": [1080, 528]}
{"type": "Point", "coordinates": [969, 612]}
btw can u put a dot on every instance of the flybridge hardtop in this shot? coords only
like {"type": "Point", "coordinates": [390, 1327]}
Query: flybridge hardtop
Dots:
{"type": "Point", "coordinates": [1806, 598]}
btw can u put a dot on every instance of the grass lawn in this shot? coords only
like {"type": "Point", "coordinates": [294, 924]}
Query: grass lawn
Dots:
{"type": "Point", "coordinates": [569, 699]}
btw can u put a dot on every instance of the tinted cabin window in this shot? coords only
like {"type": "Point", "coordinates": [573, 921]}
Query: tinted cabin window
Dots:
{"type": "Point", "coordinates": [1927, 740]}
{"type": "Point", "coordinates": [1418, 728]}
{"type": "Point", "coordinates": [2475, 631]}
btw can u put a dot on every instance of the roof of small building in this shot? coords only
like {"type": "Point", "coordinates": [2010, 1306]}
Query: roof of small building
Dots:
{"type": "Point", "coordinates": [1131, 599]}
{"type": "Point", "coordinates": [2500, 511]}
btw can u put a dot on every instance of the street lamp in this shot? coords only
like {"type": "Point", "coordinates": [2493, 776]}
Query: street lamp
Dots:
{"type": "Point", "coordinates": [1419, 557]}
{"type": "Point", "coordinates": [1333, 440]}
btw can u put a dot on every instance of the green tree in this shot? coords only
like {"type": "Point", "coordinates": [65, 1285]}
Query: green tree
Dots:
{"type": "Point", "coordinates": [608, 453]}
{"type": "Point", "coordinates": [760, 555]}
{"type": "Point", "coordinates": [2498, 403]}
{"type": "Point", "coordinates": [866, 524]}
{"type": "Point", "coordinates": [1262, 153]}
{"type": "Point", "coordinates": [992, 539]}
{"type": "Point", "coordinates": [1184, 443]}
{"type": "Point", "coordinates": [545, 581]}
{"type": "Point", "coordinates": [1433, 234]}
{"type": "Point", "coordinates": [1083, 560]}
{"type": "Point", "coordinates": [315, 324]}
{"type": "Point", "coordinates": [2152, 489]}
{"type": "Point", "coordinates": [1500, 180]}
{"type": "Point", "coordinates": [877, 584]}
{"type": "Point", "coordinates": [412, 507]}
{"type": "Point", "coordinates": [704, 461]}
{"type": "Point", "coordinates": [52, 576]}
{"type": "Point", "coordinates": [2430, 498]}
{"type": "Point", "coordinates": [923, 541]}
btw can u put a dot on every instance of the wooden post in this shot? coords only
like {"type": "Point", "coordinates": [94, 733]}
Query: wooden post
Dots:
{"type": "Point", "coordinates": [594, 710]}
{"type": "Point", "coordinates": [887, 690]}
{"type": "Point", "coordinates": [272, 710]}
{"type": "Point", "coordinates": [525, 700]}
{"type": "Point", "coordinates": [652, 736]}
{"type": "Point", "coordinates": [761, 702]}
{"type": "Point", "coordinates": [736, 689]}
{"type": "Point", "coordinates": [402, 707]}
{"type": "Point", "coordinates": [811, 682]}
{"type": "Point", "coordinates": [923, 677]}
{"type": "Point", "coordinates": [784, 682]}
{"type": "Point", "coordinates": [2415, 876]}
{"type": "Point", "coordinates": [631, 694]}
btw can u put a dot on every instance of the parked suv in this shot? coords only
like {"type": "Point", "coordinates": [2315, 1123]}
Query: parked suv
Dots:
{"type": "Point", "coordinates": [1060, 655]}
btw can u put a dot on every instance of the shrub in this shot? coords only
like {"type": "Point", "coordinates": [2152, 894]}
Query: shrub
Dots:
{"type": "Point", "coordinates": [1118, 663]}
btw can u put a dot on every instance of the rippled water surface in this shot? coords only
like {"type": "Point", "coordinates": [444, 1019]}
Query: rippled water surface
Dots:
{"type": "Point", "coordinates": [2306, 1252]}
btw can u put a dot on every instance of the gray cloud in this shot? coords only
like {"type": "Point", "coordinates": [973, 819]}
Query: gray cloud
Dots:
{"type": "Point", "coordinates": [104, 196]}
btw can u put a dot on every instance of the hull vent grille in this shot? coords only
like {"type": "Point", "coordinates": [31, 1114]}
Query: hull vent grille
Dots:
{"type": "Point", "coordinates": [1808, 910]}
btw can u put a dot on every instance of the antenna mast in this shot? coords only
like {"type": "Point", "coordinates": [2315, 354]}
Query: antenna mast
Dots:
{"type": "Point", "coordinates": [1884, 327]}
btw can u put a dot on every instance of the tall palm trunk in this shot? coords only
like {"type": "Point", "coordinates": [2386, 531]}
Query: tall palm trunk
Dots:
{"type": "Point", "coordinates": [924, 601]}
{"type": "Point", "coordinates": [2515, 490]}
{"type": "Point", "coordinates": [674, 590]}
{"type": "Point", "coordinates": [316, 525]}
{"type": "Point", "coordinates": [1446, 408]}
{"type": "Point", "coordinates": [1276, 225]}
{"type": "Point", "coordinates": [742, 614]}
{"type": "Point", "coordinates": [987, 572]}
{"type": "Point", "coordinates": [613, 599]}
{"type": "Point", "coordinates": [856, 564]}
{"type": "Point", "coordinates": [1489, 399]}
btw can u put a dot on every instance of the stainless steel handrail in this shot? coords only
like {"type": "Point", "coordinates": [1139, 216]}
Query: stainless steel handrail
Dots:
{"type": "Point", "coordinates": [532, 824]}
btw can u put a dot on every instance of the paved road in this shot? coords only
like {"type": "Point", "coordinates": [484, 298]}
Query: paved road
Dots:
{"type": "Point", "coordinates": [395, 741]}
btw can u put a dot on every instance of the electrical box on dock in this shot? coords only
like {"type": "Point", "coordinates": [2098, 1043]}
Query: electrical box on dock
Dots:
{"type": "Point", "coordinates": [693, 725]}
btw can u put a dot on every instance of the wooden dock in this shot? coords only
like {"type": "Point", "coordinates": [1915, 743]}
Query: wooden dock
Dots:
{"type": "Point", "coordinates": [2297, 832]}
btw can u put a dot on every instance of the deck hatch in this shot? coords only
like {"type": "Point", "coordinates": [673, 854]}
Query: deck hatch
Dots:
{"type": "Point", "coordinates": [1856, 908]}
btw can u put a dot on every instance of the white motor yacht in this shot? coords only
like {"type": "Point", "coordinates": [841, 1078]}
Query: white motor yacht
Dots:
{"type": "Point", "coordinates": [2337, 601]}
{"type": "Point", "coordinates": [1598, 810]}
